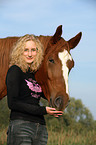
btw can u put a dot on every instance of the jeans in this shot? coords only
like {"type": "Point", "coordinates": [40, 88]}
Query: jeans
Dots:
{"type": "Point", "coordinates": [26, 133]}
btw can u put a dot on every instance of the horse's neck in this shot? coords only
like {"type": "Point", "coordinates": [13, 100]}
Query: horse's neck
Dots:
{"type": "Point", "coordinates": [6, 44]}
{"type": "Point", "coordinates": [44, 40]}
{"type": "Point", "coordinates": [5, 47]}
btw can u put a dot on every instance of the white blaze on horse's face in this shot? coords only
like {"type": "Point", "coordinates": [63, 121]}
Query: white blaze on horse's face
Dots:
{"type": "Point", "coordinates": [64, 57]}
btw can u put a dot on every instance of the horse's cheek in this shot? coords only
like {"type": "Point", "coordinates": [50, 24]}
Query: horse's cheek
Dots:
{"type": "Point", "coordinates": [49, 74]}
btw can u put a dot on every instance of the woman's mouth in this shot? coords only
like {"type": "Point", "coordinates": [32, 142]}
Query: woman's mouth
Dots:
{"type": "Point", "coordinates": [29, 57]}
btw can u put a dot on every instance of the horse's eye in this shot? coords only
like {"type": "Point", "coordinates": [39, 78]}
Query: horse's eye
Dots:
{"type": "Point", "coordinates": [51, 60]}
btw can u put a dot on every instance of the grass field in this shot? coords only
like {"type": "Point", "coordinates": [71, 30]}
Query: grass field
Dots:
{"type": "Point", "coordinates": [71, 138]}
{"type": "Point", "coordinates": [62, 137]}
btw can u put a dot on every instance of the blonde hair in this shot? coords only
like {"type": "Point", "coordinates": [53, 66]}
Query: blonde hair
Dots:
{"type": "Point", "coordinates": [16, 55]}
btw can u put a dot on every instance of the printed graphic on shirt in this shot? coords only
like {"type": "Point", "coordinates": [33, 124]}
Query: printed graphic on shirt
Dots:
{"type": "Point", "coordinates": [35, 95]}
{"type": "Point", "coordinates": [33, 86]}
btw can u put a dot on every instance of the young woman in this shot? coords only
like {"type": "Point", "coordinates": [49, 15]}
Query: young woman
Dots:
{"type": "Point", "coordinates": [27, 124]}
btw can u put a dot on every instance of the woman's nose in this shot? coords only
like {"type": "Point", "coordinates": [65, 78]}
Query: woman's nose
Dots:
{"type": "Point", "coordinates": [30, 53]}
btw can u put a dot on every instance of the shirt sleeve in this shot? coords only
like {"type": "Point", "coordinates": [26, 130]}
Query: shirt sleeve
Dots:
{"type": "Point", "coordinates": [13, 82]}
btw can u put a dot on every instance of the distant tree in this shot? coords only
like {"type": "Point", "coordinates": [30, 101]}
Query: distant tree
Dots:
{"type": "Point", "coordinates": [79, 113]}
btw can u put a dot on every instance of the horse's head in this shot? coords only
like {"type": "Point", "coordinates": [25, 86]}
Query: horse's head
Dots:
{"type": "Point", "coordinates": [53, 73]}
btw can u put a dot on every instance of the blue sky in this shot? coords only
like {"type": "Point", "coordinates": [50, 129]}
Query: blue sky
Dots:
{"type": "Point", "coordinates": [41, 17]}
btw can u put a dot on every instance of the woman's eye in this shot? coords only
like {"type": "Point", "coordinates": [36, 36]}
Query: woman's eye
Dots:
{"type": "Point", "coordinates": [25, 49]}
{"type": "Point", "coordinates": [51, 60]}
{"type": "Point", "coordinates": [33, 50]}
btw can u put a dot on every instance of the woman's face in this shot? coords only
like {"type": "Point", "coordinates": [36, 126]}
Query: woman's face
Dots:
{"type": "Point", "coordinates": [30, 52]}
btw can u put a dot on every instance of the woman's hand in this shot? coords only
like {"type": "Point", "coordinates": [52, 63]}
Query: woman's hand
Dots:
{"type": "Point", "coordinates": [53, 111]}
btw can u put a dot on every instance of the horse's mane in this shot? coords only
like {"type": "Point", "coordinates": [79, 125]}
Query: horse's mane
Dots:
{"type": "Point", "coordinates": [44, 40]}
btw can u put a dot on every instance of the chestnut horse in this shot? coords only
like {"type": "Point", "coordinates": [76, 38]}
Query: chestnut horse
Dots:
{"type": "Point", "coordinates": [53, 72]}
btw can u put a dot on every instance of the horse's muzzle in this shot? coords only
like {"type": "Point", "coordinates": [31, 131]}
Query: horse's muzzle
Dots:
{"type": "Point", "coordinates": [57, 103]}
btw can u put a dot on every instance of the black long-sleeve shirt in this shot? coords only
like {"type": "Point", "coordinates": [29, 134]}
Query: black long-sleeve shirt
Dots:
{"type": "Point", "coordinates": [23, 95]}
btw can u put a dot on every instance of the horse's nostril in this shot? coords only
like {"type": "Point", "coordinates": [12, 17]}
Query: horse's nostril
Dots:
{"type": "Point", "coordinates": [58, 101]}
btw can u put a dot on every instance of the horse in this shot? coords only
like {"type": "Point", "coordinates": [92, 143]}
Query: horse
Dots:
{"type": "Point", "coordinates": [54, 70]}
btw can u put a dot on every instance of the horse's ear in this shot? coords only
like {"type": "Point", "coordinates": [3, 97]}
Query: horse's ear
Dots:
{"type": "Point", "coordinates": [56, 36]}
{"type": "Point", "coordinates": [75, 40]}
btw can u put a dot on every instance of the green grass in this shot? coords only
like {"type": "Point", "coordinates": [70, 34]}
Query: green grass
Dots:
{"type": "Point", "coordinates": [61, 138]}
{"type": "Point", "coordinates": [71, 138]}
